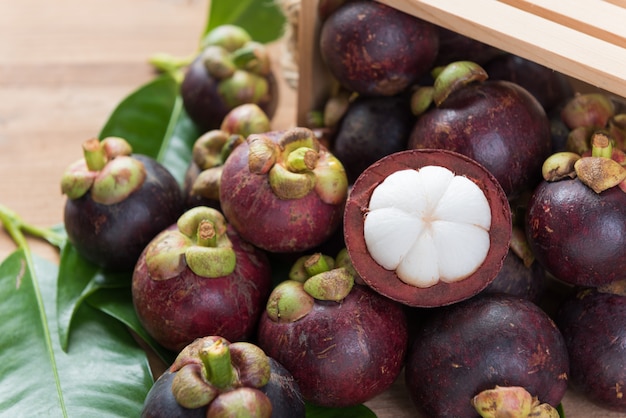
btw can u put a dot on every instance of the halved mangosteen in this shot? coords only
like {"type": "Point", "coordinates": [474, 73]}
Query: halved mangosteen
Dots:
{"type": "Point", "coordinates": [427, 227]}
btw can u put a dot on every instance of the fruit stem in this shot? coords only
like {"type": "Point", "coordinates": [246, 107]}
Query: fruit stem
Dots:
{"type": "Point", "coordinates": [94, 154]}
{"type": "Point", "coordinates": [232, 142]}
{"type": "Point", "coordinates": [302, 159]}
{"type": "Point", "coordinates": [601, 145]}
{"type": "Point", "coordinates": [316, 264]}
{"type": "Point", "coordinates": [14, 225]}
{"type": "Point", "coordinates": [169, 64]}
{"type": "Point", "coordinates": [207, 236]}
{"type": "Point", "coordinates": [217, 364]}
{"type": "Point", "coordinates": [251, 57]}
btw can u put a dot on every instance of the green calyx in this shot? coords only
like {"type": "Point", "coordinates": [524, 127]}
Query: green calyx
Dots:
{"type": "Point", "coordinates": [455, 76]}
{"type": "Point", "coordinates": [107, 169]}
{"type": "Point", "coordinates": [244, 87]}
{"type": "Point", "coordinates": [200, 243]}
{"type": "Point", "coordinates": [511, 401]}
{"type": "Point", "coordinates": [241, 65]}
{"type": "Point", "coordinates": [297, 164]}
{"type": "Point", "coordinates": [209, 152]}
{"type": "Point", "coordinates": [311, 278]}
{"type": "Point", "coordinates": [245, 120]}
{"type": "Point", "coordinates": [212, 148]}
{"type": "Point", "coordinates": [210, 369]}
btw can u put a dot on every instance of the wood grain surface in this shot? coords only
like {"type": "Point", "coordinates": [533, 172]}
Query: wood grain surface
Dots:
{"type": "Point", "coordinates": [64, 66]}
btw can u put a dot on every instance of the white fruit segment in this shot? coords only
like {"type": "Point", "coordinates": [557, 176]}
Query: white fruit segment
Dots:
{"type": "Point", "coordinates": [428, 225]}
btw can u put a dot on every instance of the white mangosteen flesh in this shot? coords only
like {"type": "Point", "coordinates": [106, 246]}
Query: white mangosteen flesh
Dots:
{"type": "Point", "coordinates": [428, 225]}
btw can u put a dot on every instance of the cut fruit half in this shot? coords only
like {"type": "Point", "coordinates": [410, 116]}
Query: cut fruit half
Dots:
{"type": "Point", "coordinates": [427, 227]}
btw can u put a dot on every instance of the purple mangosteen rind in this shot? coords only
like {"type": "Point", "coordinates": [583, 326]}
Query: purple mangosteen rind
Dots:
{"type": "Point", "coordinates": [113, 235]}
{"type": "Point", "coordinates": [491, 339]}
{"type": "Point", "coordinates": [276, 223]}
{"type": "Point", "coordinates": [334, 356]}
{"type": "Point", "coordinates": [279, 386]}
{"type": "Point", "coordinates": [188, 306]}
{"type": "Point", "coordinates": [591, 322]}
{"type": "Point", "coordinates": [497, 123]}
{"type": "Point", "coordinates": [386, 281]}
{"type": "Point", "coordinates": [578, 235]}
{"type": "Point", "coordinates": [374, 49]}
{"type": "Point", "coordinates": [224, 76]}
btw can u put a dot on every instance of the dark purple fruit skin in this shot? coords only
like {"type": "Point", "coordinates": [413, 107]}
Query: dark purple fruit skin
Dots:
{"type": "Point", "coordinates": [520, 280]}
{"type": "Point", "coordinates": [592, 324]}
{"type": "Point", "coordinates": [372, 128]}
{"type": "Point", "coordinates": [283, 391]}
{"type": "Point", "coordinates": [476, 344]}
{"type": "Point", "coordinates": [550, 87]}
{"type": "Point", "coordinates": [499, 124]}
{"type": "Point", "coordinates": [160, 401]}
{"type": "Point", "coordinates": [454, 46]}
{"type": "Point", "coordinates": [374, 49]}
{"type": "Point", "coordinates": [113, 236]}
{"type": "Point", "coordinates": [268, 222]}
{"type": "Point", "coordinates": [341, 354]}
{"type": "Point", "coordinates": [177, 311]}
{"type": "Point", "coordinates": [579, 236]}
{"type": "Point", "coordinates": [206, 106]}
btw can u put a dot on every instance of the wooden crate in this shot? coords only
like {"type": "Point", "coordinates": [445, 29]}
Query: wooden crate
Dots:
{"type": "Point", "coordinates": [584, 39]}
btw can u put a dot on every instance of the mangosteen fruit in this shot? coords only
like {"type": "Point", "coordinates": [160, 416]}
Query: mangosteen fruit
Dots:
{"type": "Point", "coordinates": [198, 278]}
{"type": "Point", "coordinates": [576, 219]}
{"type": "Point", "coordinates": [231, 69]}
{"type": "Point", "coordinates": [427, 227]}
{"type": "Point", "coordinates": [213, 377]}
{"type": "Point", "coordinates": [588, 110]}
{"type": "Point", "coordinates": [373, 49]}
{"type": "Point", "coordinates": [117, 202]}
{"type": "Point", "coordinates": [497, 123]}
{"type": "Point", "coordinates": [585, 114]}
{"type": "Point", "coordinates": [592, 323]}
{"type": "Point", "coordinates": [551, 88]}
{"type": "Point", "coordinates": [210, 150]}
{"type": "Point", "coordinates": [472, 346]}
{"type": "Point", "coordinates": [283, 191]}
{"type": "Point", "coordinates": [342, 342]}
{"type": "Point", "coordinates": [371, 128]}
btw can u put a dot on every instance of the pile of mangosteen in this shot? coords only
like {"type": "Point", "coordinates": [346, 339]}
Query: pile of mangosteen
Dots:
{"type": "Point", "coordinates": [458, 215]}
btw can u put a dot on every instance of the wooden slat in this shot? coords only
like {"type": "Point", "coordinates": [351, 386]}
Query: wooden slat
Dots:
{"type": "Point", "coordinates": [598, 18]}
{"type": "Point", "coordinates": [566, 49]}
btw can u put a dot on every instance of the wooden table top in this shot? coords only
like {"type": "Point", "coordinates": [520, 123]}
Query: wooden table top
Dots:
{"type": "Point", "coordinates": [64, 66]}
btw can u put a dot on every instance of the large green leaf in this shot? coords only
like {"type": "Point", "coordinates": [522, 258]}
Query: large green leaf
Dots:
{"type": "Point", "coordinates": [103, 374]}
{"type": "Point", "coordinates": [153, 120]}
{"type": "Point", "coordinates": [118, 303]}
{"type": "Point", "coordinates": [358, 411]}
{"type": "Point", "coordinates": [262, 19]}
{"type": "Point", "coordinates": [77, 279]}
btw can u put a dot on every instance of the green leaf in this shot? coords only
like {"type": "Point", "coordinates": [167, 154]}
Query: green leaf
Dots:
{"type": "Point", "coordinates": [103, 374]}
{"type": "Point", "coordinates": [77, 279]}
{"type": "Point", "coordinates": [153, 120]}
{"type": "Point", "coordinates": [262, 19]}
{"type": "Point", "coordinates": [358, 411]}
{"type": "Point", "coordinates": [118, 304]}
